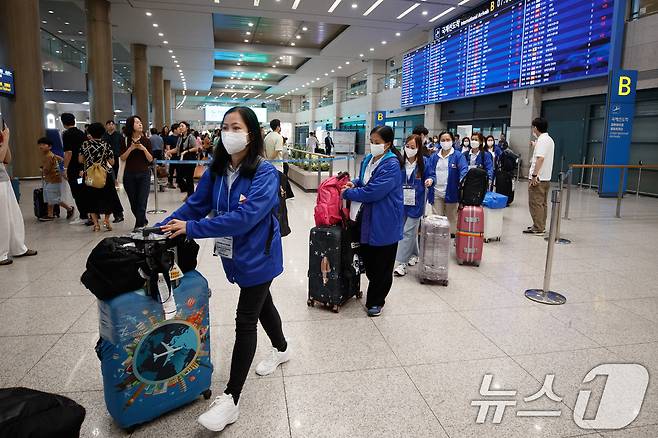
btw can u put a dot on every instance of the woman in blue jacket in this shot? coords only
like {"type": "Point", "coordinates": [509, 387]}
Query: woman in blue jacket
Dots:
{"type": "Point", "coordinates": [449, 168]}
{"type": "Point", "coordinates": [418, 176]}
{"type": "Point", "coordinates": [378, 194]}
{"type": "Point", "coordinates": [479, 157]}
{"type": "Point", "coordinates": [233, 204]}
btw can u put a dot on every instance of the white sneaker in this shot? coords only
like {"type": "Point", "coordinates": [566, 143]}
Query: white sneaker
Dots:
{"type": "Point", "coordinates": [400, 271]}
{"type": "Point", "coordinates": [222, 412]}
{"type": "Point", "coordinates": [268, 365]}
{"type": "Point", "coordinates": [413, 261]}
{"type": "Point", "coordinates": [77, 221]}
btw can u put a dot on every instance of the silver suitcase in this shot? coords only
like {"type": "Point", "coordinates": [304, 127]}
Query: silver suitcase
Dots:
{"type": "Point", "coordinates": [434, 249]}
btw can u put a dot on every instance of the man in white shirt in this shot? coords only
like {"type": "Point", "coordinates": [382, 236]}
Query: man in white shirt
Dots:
{"type": "Point", "coordinates": [541, 169]}
{"type": "Point", "coordinates": [312, 142]}
{"type": "Point", "coordinates": [274, 143]}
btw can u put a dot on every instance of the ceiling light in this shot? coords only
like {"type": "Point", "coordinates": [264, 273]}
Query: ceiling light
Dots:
{"type": "Point", "coordinates": [411, 8]}
{"type": "Point", "coordinates": [196, 93]}
{"type": "Point", "coordinates": [273, 65]}
{"type": "Point", "coordinates": [397, 34]}
{"type": "Point", "coordinates": [173, 56]}
{"type": "Point", "coordinates": [298, 36]}
{"type": "Point", "coordinates": [463, 2]}
{"type": "Point", "coordinates": [333, 71]}
{"type": "Point", "coordinates": [51, 12]}
{"type": "Point", "coordinates": [424, 12]}
{"type": "Point", "coordinates": [217, 1]}
{"type": "Point", "coordinates": [295, 4]}
{"type": "Point", "coordinates": [246, 41]}
{"type": "Point", "coordinates": [148, 14]}
{"type": "Point", "coordinates": [447, 11]}
{"type": "Point", "coordinates": [256, 2]}
{"type": "Point", "coordinates": [155, 24]}
{"type": "Point", "coordinates": [326, 74]}
{"type": "Point", "coordinates": [361, 55]}
{"type": "Point", "coordinates": [334, 6]}
{"type": "Point", "coordinates": [170, 51]}
{"type": "Point", "coordinates": [372, 49]}
{"type": "Point", "coordinates": [347, 63]}
{"type": "Point", "coordinates": [304, 28]}
{"type": "Point", "coordinates": [44, 21]}
{"type": "Point", "coordinates": [340, 66]}
{"type": "Point", "coordinates": [384, 42]}
{"type": "Point", "coordinates": [292, 44]}
{"type": "Point", "coordinates": [165, 42]}
{"type": "Point", "coordinates": [248, 33]}
{"type": "Point", "coordinates": [59, 31]}
{"type": "Point", "coordinates": [66, 23]}
{"type": "Point", "coordinates": [354, 6]}
{"type": "Point", "coordinates": [372, 8]}
{"type": "Point", "coordinates": [80, 32]}
{"type": "Point", "coordinates": [160, 34]}
{"type": "Point", "coordinates": [250, 24]}
{"type": "Point", "coordinates": [239, 63]}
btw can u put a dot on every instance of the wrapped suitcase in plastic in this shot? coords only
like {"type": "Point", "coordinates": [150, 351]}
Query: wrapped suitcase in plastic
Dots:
{"type": "Point", "coordinates": [434, 249]}
{"type": "Point", "coordinates": [494, 205]}
{"type": "Point", "coordinates": [334, 272]}
{"type": "Point", "coordinates": [470, 235]}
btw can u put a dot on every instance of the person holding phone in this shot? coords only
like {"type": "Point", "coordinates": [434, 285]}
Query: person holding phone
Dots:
{"type": "Point", "coordinates": [136, 155]}
{"type": "Point", "coordinates": [12, 228]}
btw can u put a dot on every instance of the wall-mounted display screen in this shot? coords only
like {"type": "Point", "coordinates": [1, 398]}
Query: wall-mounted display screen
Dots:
{"type": "Point", "coordinates": [6, 81]}
{"type": "Point", "coordinates": [509, 44]}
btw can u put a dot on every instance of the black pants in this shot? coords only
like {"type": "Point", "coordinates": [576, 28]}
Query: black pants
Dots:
{"type": "Point", "coordinates": [173, 169]}
{"type": "Point", "coordinates": [115, 168]}
{"type": "Point", "coordinates": [138, 185]}
{"type": "Point", "coordinates": [255, 304]}
{"type": "Point", "coordinates": [379, 262]}
{"type": "Point", "coordinates": [185, 178]}
{"type": "Point", "coordinates": [79, 193]}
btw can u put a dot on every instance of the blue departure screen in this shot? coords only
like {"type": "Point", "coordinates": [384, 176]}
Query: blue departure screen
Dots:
{"type": "Point", "coordinates": [509, 44]}
{"type": "Point", "coordinates": [6, 81]}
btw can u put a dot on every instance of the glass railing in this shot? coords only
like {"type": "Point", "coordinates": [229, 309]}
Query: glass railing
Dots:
{"type": "Point", "coordinates": [66, 53]}
{"type": "Point", "coordinates": [326, 101]}
{"type": "Point", "coordinates": [390, 81]}
{"type": "Point", "coordinates": [305, 106]}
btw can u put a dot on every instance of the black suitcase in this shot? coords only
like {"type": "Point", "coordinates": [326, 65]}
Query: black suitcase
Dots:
{"type": "Point", "coordinates": [505, 185]}
{"type": "Point", "coordinates": [334, 273]}
{"type": "Point", "coordinates": [40, 207]}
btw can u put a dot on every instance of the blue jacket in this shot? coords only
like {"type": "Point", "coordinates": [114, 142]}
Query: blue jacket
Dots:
{"type": "Point", "coordinates": [250, 222]}
{"type": "Point", "coordinates": [382, 213]}
{"type": "Point", "coordinates": [483, 161]}
{"type": "Point", "coordinates": [417, 210]}
{"type": "Point", "coordinates": [457, 170]}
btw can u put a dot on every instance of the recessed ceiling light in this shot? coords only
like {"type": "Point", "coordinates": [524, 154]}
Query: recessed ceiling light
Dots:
{"type": "Point", "coordinates": [248, 33]}
{"type": "Point", "coordinates": [278, 62]}
{"type": "Point", "coordinates": [347, 63]}
{"type": "Point", "coordinates": [217, 1]}
{"type": "Point", "coordinates": [372, 49]}
{"type": "Point", "coordinates": [304, 28]}
{"type": "Point", "coordinates": [165, 42]}
{"type": "Point", "coordinates": [44, 21]}
{"type": "Point", "coordinates": [397, 34]}
{"type": "Point", "coordinates": [292, 44]}
{"type": "Point", "coordinates": [155, 24]}
{"type": "Point", "coordinates": [181, 71]}
{"type": "Point", "coordinates": [148, 14]}
{"type": "Point", "coordinates": [250, 24]}
{"type": "Point", "coordinates": [384, 42]}
{"type": "Point", "coordinates": [326, 74]}
{"type": "Point", "coordinates": [59, 31]}
{"type": "Point", "coordinates": [340, 66]}
{"type": "Point", "coordinates": [239, 63]}
{"type": "Point", "coordinates": [333, 71]}
{"type": "Point", "coordinates": [424, 12]}
{"type": "Point", "coordinates": [160, 34]}
{"type": "Point", "coordinates": [173, 56]}
{"type": "Point", "coordinates": [273, 65]}
{"type": "Point", "coordinates": [246, 41]}
{"type": "Point", "coordinates": [170, 51]}
{"type": "Point", "coordinates": [354, 6]}
{"type": "Point", "coordinates": [295, 4]}
{"type": "Point", "coordinates": [51, 12]}
{"type": "Point", "coordinates": [447, 11]}
{"type": "Point", "coordinates": [361, 55]}
{"type": "Point", "coordinates": [298, 36]}
{"type": "Point", "coordinates": [66, 23]}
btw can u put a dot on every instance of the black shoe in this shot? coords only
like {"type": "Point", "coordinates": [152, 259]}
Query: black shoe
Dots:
{"type": "Point", "coordinates": [117, 219]}
{"type": "Point", "coordinates": [532, 231]}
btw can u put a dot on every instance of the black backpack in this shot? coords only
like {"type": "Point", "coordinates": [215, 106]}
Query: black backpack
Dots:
{"type": "Point", "coordinates": [474, 187]}
{"type": "Point", "coordinates": [28, 413]}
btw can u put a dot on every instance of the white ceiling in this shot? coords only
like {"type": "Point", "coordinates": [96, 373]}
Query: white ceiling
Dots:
{"type": "Point", "coordinates": [187, 26]}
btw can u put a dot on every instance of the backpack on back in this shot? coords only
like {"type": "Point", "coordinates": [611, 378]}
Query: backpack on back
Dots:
{"type": "Point", "coordinates": [474, 187]}
{"type": "Point", "coordinates": [328, 207]}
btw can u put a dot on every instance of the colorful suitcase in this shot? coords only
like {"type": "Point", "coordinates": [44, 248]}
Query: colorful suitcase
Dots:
{"type": "Point", "coordinates": [434, 249]}
{"type": "Point", "coordinates": [151, 364]}
{"type": "Point", "coordinates": [470, 235]}
{"type": "Point", "coordinates": [334, 267]}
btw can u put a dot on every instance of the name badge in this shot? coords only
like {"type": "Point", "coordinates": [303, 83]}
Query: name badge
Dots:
{"type": "Point", "coordinates": [409, 196]}
{"type": "Point", "coordinates": [224, 247]}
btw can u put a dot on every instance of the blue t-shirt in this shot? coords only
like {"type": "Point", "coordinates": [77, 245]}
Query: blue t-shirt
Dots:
{"type": "Point", "coordinates": [157, 144]}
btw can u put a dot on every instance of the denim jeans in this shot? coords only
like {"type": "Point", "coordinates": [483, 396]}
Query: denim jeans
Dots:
{"type": "Point", "coordinates": [408, 246]}
{"type": "Point", "coordinates": [138, 185]}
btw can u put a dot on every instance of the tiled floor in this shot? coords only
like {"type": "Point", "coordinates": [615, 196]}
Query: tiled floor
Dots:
{"type": "Point", "coordinates": [412, 372]}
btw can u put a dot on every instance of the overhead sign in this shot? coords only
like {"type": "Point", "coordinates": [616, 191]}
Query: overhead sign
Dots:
{"type": "Point", "coordinates": [380, 118]}
{"type": "Point", "coordinates": [6, 82]}
{"type": "Point", "coordinates": [216, 113]}
{"type": "Point", "coordinates": [619, 127]}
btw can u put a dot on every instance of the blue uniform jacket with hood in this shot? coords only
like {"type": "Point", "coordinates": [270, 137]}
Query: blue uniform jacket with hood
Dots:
{"type": "Point", "coordinates": [417, 210]}
{"type": "Point", "coordinates": [382, 213]}
{"type": "Point", "coordinates": [457, 170]}
{"type": "Point", "coordinates": [244, 214]}
{"type": "Point", "coordinates": [484, 161]}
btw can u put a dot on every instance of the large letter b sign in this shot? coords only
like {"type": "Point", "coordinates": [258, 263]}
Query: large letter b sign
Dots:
{"type": "Point", "coordinates": [624, 86]}
{"type": "Point", "coordinates": [622, 396]}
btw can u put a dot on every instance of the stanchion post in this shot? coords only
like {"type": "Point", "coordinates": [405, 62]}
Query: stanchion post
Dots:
{"type": "Point", "coordinates": [582, 176]}
{"type": "Point", "coordinates": [639, 178]}
{"type": "Point", "coordinates": [569, 175]}
{"type": "Point", "coordinates": [319, 172]}
{"type": "Point", "coordinates": [546, 295]}
{"type": "Point", "coordinates": [518, 170]}
{"type": "Point", "coordinates": [331, 167]}
{"type": "Point", "coordinates": [591, 173]}
{"type": "Point", "coordinates": [155, 210]}
{"type": "Point", "coordinates": [619, 192]}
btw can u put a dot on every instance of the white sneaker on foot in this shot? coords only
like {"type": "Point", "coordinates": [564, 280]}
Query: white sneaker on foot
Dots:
{"type": "Point", "coordinates": [222, 412]}
{"type": "Point", "coordinates": [413, 261]}
{"type": "Point", "coordinates": [400, 271]}
{"type": "Point", "coordinates": [268, 365]}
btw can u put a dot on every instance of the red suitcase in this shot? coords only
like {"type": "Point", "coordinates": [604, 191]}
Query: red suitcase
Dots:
{"type": "Point", "coordinates": [470, 235]}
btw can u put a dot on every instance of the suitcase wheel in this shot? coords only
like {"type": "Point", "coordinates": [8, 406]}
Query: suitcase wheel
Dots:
{"type": "Point", "coordinates": [207, 394]}
{"type": "Point", "coordinates": [460, 262]}
{"type": "Point", "coordinates": [444, 283]}
{"type": "Point", "coordinates": [359, 295]}
{"type": "Point", "coordinates": [476, 263]}
{"type": "Point", "coordinates": [310, 302]}
{"type": "Point", "coordinates": [422, 281]}
{"type": "Point", "coordinates": [335, 308]}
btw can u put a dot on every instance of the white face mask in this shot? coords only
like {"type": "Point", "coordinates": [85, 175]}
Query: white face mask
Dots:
{"type": "Point", "coordinates": [377, 149]}
{"type": "Point", "coordinates": [446, 145]}
{"type": "Point", "coordinates": [234, 142]}
{"type": "Point", "coordinates": [475, 144]}
{"type": "Point", "coordinates": [410, 152]}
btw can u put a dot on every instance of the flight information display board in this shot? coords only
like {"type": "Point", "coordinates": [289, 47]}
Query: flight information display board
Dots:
{"type": "Point", "coordinates": [509, 44]}
{"type": "Point", "coordinates": [6, 81]}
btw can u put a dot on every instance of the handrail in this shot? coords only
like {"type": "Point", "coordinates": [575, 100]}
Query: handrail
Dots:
{"type": "Point", "coordinates": [613, 166]}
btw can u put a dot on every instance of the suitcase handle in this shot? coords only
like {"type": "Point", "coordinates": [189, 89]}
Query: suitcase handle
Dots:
{"type": "Point", "coordinates": [147, 231]}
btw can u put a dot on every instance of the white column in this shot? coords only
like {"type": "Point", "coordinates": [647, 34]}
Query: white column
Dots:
{"type": "Point", "coordinates": [340, 85]}
{"type": "Point", "coordinates": [433, 121]}
{"type": "Point", "coordinates": [376, 71]}
{"type": "Point", "coordinates": [526, 106]}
